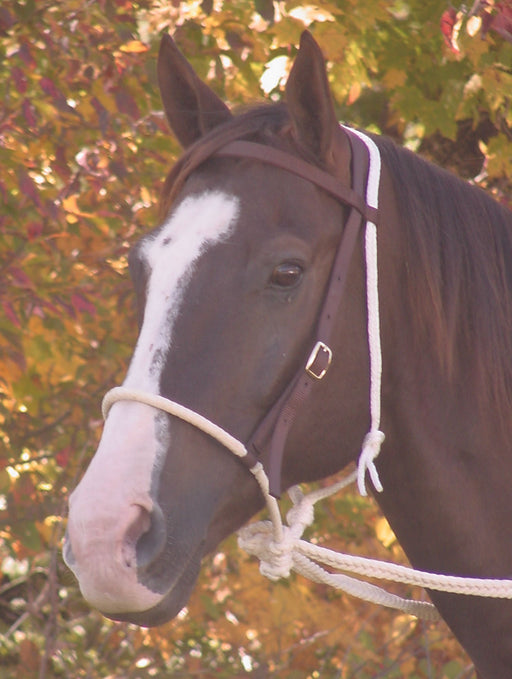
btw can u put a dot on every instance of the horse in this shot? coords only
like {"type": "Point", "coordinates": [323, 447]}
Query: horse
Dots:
{"type": "Point", "coordinates": [230, 287]}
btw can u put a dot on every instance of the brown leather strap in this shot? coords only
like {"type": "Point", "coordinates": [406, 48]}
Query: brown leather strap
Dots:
{"type": "Point", "coordinates": [286, 161]}
{"type": "Point", "coordinates": [279, 420]}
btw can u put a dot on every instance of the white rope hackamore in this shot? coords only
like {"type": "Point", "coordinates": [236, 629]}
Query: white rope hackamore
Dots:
{"type": "Point", "coordinates": [280, 548]}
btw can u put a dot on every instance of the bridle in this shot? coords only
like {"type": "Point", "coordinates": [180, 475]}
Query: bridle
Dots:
{"type": "Point", "coordinates": [277, 423]}
{"type": "Point", "coordinates": [275, 426]}
{"type": "Point", "coordinates": [280, 547]}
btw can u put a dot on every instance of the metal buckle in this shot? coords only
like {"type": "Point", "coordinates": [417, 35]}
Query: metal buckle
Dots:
{"type": "Point", "coordinates": [320, 351]}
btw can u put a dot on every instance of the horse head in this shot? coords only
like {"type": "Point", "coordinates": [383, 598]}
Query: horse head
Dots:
{"type": "Point", "coordinates": [229, 288]}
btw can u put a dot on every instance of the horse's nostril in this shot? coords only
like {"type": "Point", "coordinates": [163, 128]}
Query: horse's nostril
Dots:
{"type": "Point", "coordinates": [138, 523]}
{"type": "Point", "coordinates": [151, 539]}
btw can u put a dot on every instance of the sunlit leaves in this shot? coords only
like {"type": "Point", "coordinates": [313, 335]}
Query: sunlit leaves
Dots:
{"type": "Point", "coordinates": [83, 149]}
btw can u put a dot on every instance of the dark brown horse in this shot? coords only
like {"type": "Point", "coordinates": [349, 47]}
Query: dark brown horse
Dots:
{"type": "Point", "coordinates": [230, 287]}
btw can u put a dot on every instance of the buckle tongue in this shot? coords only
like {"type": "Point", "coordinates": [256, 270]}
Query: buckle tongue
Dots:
{"type": "Point", "coordinates": [319, 360]}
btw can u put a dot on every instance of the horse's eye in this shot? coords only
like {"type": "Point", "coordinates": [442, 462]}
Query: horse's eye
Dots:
{"type": "Point", "coordinates": [286, 275]}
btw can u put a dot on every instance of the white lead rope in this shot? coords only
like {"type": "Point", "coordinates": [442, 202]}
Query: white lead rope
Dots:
{"type": "Point", "coordinates": [281, 549]}
{"type": "Point", "coordinates": [374, 439]}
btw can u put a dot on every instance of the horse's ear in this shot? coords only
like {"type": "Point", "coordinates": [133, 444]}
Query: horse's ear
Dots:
{"type": "Point", "coordinates": [192, 108]}
{"type": "Point", "coordinates": [310, 102]}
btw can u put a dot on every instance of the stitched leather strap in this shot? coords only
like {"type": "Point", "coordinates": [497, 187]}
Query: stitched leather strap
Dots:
{"type": "Point", "coordinates": [285, 161]}
{"type": "Point", "coordinates": [278, 421]}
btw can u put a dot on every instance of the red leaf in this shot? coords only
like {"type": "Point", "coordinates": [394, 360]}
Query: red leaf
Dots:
{"type": "Point", "coordinates": [62, 457]}
{"type": "Point", "coordinates": [28, 188]}
{"type": "Point", "coordinates": [61, 164]}
{"type": "Point", "coordinates": [34, 230]}
{"type": "Point", "coordinates": [20, 278]}
{"type": "Point", "coordinates": [11, 314]}
{"type": "Point", "coordinates": [26, 55]}
{"type": "Point", "coordinates": [30, 657]}
{"type": "Point", "coordinates": [49, 87]}
{"type": "Point", "coordinates": [82, 304]}
{"type": "Point", "coordinates": [6, 19]}
{"type": "Point", "coordinates": [501, 21]}
{"type": "Point", "coordinates": [127, 104]}
{"type": "Point", "coordinates": [449, 29]}
{"type": "Point", "coordinates": [29, 113]}
{"type": "Point", "coordinates": [19, 79]}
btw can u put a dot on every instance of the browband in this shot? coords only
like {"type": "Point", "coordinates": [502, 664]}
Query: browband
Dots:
{"type": "Point", "coordinates": [286, 161]}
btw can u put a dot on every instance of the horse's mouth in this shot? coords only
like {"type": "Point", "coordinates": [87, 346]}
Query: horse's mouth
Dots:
{"type": "Point", "coordinates": [172, 602]}
{"type": "Point", "coordinates": [166, 599]}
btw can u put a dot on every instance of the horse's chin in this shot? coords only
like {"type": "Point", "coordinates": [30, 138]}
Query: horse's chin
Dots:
{"type": "Point", "coordinates": [170, 605]}
{"type": "Point", "coordinates": [176, 598]}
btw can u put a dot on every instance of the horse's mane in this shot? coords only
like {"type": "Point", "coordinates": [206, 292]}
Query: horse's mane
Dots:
{"type": "Point", "coordinates": [458, 244]}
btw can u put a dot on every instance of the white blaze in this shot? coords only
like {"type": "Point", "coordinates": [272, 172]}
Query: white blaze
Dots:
{"type": "Point", "coordinates": [198, 223]}
{"type": "Point", "coordinates": [135, 436]}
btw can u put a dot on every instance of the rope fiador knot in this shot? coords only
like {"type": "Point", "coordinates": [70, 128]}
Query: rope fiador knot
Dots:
{"type": "Point", "coordinates": [277, 560]}
{"type": "Point", "coordinates": [275, 556]}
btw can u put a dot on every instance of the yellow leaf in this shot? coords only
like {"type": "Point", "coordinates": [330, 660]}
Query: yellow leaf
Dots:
{"type": "Point", "coordinates": [70, 205]}
{"type": "Point", "coordinates": [395, 77]}
{"type": "Point", "coordinates": [134, 47]}
{"type": "Point", "coordinates": [384, 533]}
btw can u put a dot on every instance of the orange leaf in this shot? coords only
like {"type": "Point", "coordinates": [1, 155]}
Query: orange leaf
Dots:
{"type": "Point", "coordinates": [354, 93]}
{"type": "Point", "coordinates": [134, 47]}
{"type": "Point", "coordinates": [29, 657]}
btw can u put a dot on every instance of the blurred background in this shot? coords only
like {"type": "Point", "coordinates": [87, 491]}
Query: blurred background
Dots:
{"type": "Point", "coordinates": [84, 148]}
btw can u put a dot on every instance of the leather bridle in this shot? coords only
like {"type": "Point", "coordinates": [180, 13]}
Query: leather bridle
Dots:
{"type": "Point", "coordinates": [275, 426]}
{"type": "Point", "coordinates": [278, 421]}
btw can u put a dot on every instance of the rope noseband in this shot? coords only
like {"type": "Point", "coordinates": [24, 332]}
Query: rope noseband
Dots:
{"type": "Point", "coordinates": [280, 547]}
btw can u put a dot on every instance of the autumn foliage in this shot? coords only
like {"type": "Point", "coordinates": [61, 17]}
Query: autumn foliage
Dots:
{"type": "Point", "coordinates": [83, 150]}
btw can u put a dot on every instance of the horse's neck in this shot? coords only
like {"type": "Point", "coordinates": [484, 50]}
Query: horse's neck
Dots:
{"type": "Point", "coordinates": [446, 463]}
{"type": "Point", "coordinates": [442, 448]}
{"type": "Point", "coordinates": [447, 472]}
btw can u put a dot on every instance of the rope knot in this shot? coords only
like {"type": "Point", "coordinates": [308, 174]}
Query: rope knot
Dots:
{"type": "Point", "coordinates": [371, 449]}
{"type": "Point", "coordinates": [278, 559]}
{"type": "Point", "coordinates": [275, 556]}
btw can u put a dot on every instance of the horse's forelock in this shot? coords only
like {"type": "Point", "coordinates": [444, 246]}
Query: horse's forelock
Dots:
{"type": "Point", "coordinates": [266, 124]}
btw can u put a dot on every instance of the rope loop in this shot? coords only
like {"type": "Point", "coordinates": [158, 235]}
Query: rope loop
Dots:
{"type": "Point", "coordinates": [371, 449]}
{"type": "Point", "coordinates": [301, 515]}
